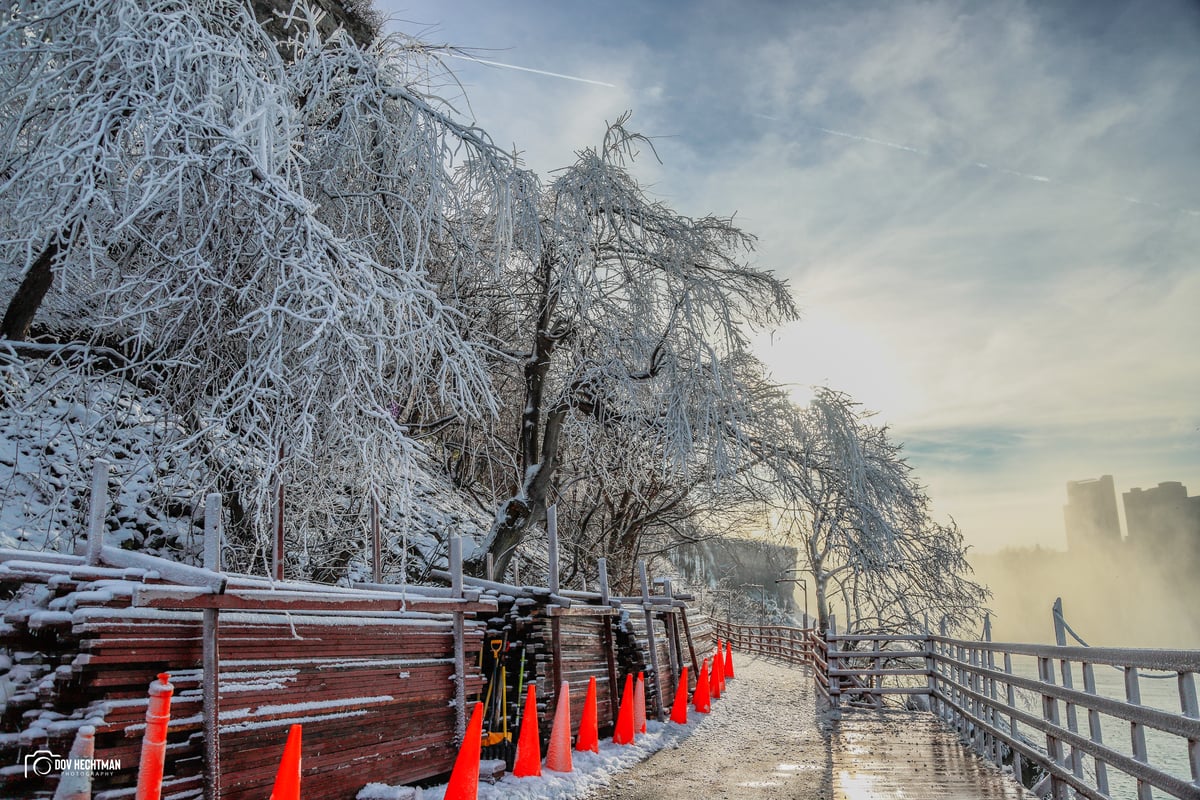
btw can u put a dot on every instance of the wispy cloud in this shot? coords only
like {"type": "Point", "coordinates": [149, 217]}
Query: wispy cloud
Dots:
{"type": "Point", "coordinates": [988, 212]}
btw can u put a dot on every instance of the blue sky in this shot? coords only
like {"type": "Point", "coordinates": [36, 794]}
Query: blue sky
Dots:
{"type": "Point", "coordinates": [989, 212]}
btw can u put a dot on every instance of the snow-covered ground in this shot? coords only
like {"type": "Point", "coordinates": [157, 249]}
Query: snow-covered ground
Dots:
{"type": "Point", "coordinates": [591, 770]}
{"type": "Point", "coordinates": [761, 739]}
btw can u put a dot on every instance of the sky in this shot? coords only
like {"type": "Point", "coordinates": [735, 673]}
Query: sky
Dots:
{"type": "Point", "coordinates": [989, 213]}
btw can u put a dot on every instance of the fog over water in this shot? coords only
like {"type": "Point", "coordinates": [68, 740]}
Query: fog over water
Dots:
{"type": "Point", "coordinates": [1115, 598]}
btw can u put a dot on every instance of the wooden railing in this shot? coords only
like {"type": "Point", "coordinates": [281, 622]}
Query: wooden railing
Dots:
{"type": "Point", "coordinates": [862, 669]}
{"type": "Point", "coordinates": [976, 689]}
{"type": "Point", "coordinates": [1042, 705]}
{"type": "Point", "coordinates": [793, 645]}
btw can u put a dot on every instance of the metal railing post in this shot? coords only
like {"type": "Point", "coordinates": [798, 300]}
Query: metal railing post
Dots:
{"type": "Point", "coordinates": [1064, 665]}
{"type": "Point", "coordinates": [1010, 695]}
{"type": "Point", "coordinates": [1187, 702]}
{"type": "Point", "coordinates": [1137, 731]}
{"type": "Point", "coordinates": [1089, 686]}
{"type": "Point", "coordinates": [1054, 748]}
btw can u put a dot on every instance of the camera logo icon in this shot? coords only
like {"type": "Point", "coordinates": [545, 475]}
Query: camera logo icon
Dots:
{"type": "Point", "coordinates": [40, 763]}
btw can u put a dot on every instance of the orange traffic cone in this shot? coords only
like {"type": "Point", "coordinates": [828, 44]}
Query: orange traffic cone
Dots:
{"type": "Point", "coordinates": [623, 734]}
{"type": "Point", "coordinates": [558, 755]}
{"type": "Point", "coordinates": [714, 679]}
{"type": "Point", "coordinates": [639, 705]}
{"type": "Point", "coordinates": [719, 660]}
{"type": "Point", "coordinates": [464, 779]}
{"type": "Point", "coordinates": [529, 746]}
{"type": "Point", "coordinates": [728, 660]}
{"type": "Point", "coordinates": [700, 698]}
{"type": "Point", "coordinates": [589, 734]}
{"type": "Point", "coordinates": [679, 710]}
{"type": "Point", "coordinates": [154, 741]}
{"type": "Point", "coordinates": [287, 779]}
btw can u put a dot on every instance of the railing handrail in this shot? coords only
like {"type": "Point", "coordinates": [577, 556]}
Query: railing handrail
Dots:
{"type": "Point", "coordinates": [1156, 660]}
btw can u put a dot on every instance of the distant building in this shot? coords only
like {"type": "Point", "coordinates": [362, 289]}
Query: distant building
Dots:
{"type": "Point", "coordinates": [1091, 514]}
{"type": "Point", "coordinates": [1163, 520]}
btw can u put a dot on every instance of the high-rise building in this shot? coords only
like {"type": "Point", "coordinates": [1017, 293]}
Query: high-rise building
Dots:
{"type": "Point", "coordinates": [1163, 520]}
{"type": "Point", "coordinates": [1091, 514]}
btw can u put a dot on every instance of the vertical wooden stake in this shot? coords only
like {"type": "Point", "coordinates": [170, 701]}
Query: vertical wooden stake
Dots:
{"type": "Point", "coordinates": [491, 567]}
{"type": "Point", "coordinates": [460, 659]}
{"type": "Point", "coordinates": [376, 542]}
{"type": "Point", "coordinates": [552, 547]}
{"type": "Point", "coordinates": [608, 641]}
{"type": "Point", "coordinates": [277, 545]}
{"type": "Point", "coordinates": [602, 579]}
{"type": "Point", "coordinates": [552, 583]}
{"type": "Point", "coordinates": [211, 655]}
{"type": "Point", "coordinates": [651, 640]}
{"type": "Point", "coordinates": [97, 511]}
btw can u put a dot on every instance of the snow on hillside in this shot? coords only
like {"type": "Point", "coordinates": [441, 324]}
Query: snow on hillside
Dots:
{"type": "Point", "coordinates": [56, 419]}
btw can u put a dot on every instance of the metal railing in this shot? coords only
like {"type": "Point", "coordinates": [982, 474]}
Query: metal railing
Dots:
{"type": "Point", "coordinates": [1054, 716]}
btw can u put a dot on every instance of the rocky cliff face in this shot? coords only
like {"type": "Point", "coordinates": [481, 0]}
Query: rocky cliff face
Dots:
{"type": "Point", "coordinates": [740, 565]}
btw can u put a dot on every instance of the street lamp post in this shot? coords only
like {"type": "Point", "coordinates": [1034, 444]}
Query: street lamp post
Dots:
{"type": "Point", "coordinates": [803, 584]}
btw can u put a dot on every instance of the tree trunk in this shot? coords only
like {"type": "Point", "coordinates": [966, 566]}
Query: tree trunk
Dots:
{"type": "Point", "coordinates": [29, 295]}
{"type": "Point", "coordinates": [522, 512]}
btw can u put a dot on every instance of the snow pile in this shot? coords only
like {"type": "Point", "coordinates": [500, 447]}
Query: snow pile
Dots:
{"type": "Point", "coordinates": [592, 770]}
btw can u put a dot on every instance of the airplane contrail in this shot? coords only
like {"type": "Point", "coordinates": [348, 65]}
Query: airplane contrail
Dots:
{"type": "Point", "coordinates": [991, 167]}
{"type": "Point", "coordinates": [531, 69]}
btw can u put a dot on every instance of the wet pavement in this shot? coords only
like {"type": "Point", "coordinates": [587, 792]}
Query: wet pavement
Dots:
{"type": "Point", "coordinates": [764, 740]}
{"type": "Point", "coordinates": [909, 755]}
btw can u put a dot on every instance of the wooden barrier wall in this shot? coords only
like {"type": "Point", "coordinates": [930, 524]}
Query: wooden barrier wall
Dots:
{"type": "Point", "coordinates": [373, 689]}
{"type": "Point", "coordinates": [368, 671]}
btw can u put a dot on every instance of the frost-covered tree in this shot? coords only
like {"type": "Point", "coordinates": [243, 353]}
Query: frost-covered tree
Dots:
{"type": "Point", "coordinates": [863, 524]}
{"type": "Point", "coordinates": [622, 315]}
{"type": "Point", "coordinates": [248, 237]}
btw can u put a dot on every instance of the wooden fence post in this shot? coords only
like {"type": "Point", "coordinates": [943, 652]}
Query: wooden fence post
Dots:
{"type": "Point", "coordinates": [1064, 665]}
{"type": "Point", "coordinates": [1191, 709]}
{"type": "Point", "coordinates": [552, 583]}
{"type": "Point", "coordinates": [211, 655]}
{"type": "Point", "coordinates": [610, 654]}
{"type": "Point", "coordinates": [1089, 686]}
{"type": "Point", "coordinates": [97, 511]}
{"type": "Point", "coordinates": [376, 542]}
{"type": "Point", "coordinates": [935, 705]}
{"type": "Point", "coordinates": [460, 658]}
{"type": "Point", "coordinates": [1137, 731]}
{"type": "Point", "coordinates": [993, 743]}
{"type": "Point", "coordinates": [674, 653]}
{"type": "Point", "coordinates": [651, 640]}
{"type": "Point", "coordinates": [1011, 697]}
{"type": "Point", "coordinates": [277, 547]}
{"type": "Point", "coordinates": [1054, 748]}
{"type": "Point", "coordinates": [833, 662]}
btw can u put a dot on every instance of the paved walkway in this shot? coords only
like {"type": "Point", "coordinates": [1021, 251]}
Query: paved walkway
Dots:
{"type": "Point", "coordinates": [763, 741]}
